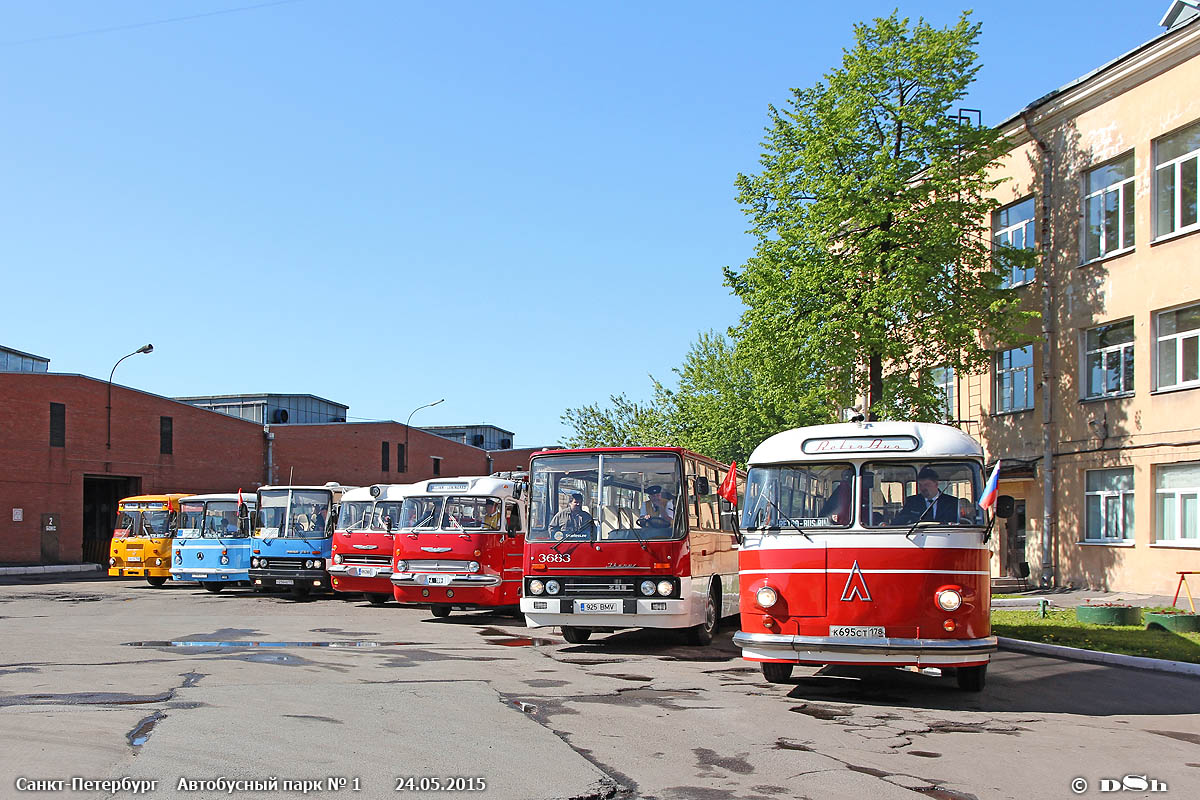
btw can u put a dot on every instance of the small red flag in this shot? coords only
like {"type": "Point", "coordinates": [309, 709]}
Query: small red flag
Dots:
{"type": "Point", "coordinates": [728, 487]}
{"type": "Point", "coordinates": [240, 503]}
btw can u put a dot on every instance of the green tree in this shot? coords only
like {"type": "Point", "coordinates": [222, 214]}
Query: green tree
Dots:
{"type": "Point", "coordinates": [874, 262]}
{"type": "Point", "coordinates": [624, 423]}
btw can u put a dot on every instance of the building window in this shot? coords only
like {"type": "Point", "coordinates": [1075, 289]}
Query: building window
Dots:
{"type": "Point", "coordinates": [1175, 180]}
{"type": "Point", "coordinates": [944, 384]}
{"type": "Point", "coordinates": [1014, 379]}
{"type": "Point", "coordinates": [1108, 359]}
{"type": "Point", "coordinates": [1108, 209]}
{"type": "Point", "coordinates": [1178, 348]}
{"type": "Point", "coordinates": [1177, 506]}
{"type": "Point", "coordinates": [437, 465]}
{"type": "Point", "coordinates": [1012, 226]}
{"type": "Point", "coordinates": [166, 436]}
{"type": "Point", "coordinates": [385, 457]}
{"type": "Point", "coordinates": [401, 458]}
{"type": "Point", "coordinates": [58, 425]}
{"type": "Point", "coordinates": [1109, 498]}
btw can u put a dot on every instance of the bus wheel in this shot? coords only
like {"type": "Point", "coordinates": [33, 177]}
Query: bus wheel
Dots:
{"type": "Point", "coordinates": [213, 586]}
{"type": "Point", "coordinates": [576, 635]}
{"type": "Point", "coordinates": [440, 611]}
{"type": "Point", "coordinates": [702, 634]}
{"type": "Point", "coordinates": [157, 583]}
{"type": "Point", "coordinates": [776, 673]}
{"type": "Point", "coordinates": [971, 679]}
{"type": "Point", "coordinates": [376, 599]}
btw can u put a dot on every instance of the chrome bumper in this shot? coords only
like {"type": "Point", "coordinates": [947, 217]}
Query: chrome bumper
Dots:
{"type": "Point", "coordinates": [826, 644]}
{"type": "Point", "coordinates": [352, 570]}
{"type": "Point", "coordinates": [414, 579]}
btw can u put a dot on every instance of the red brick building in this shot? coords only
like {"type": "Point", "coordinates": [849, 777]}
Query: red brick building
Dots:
{"type": "Point", "coordinates": [62, 471]}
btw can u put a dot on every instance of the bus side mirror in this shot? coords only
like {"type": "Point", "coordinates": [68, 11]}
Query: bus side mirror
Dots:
{"type": "Point", "coordinates": [387, 520]}
{"type": "Point", "coordinates": [702, 487]}
{"type": "Point", "coordinates": [1005, 506]}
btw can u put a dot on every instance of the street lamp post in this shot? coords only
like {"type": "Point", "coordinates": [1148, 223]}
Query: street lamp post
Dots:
{"type": "Point", "coordinates": [146, 348]}
{"type": "Point", "coordinates": [407, 429]}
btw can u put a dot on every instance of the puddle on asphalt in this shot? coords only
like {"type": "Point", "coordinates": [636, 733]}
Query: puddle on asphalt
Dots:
{"type": "Point", "coordinates": [622, 676]}
{"type": "Point", "coordinates": [939, 793]}
{"type": "Point", "coordinates": [507, 639]}
{"type": "Point", "coordinates": [330, 720]}
{"type": "Point", "coordinates": [138, 736]}
{"type": "Point", "coordinates": [166, 643]}
{"type": "Point", "coordinates": [84, 699]}
{"type": "Point", "coordinates": [1179, 735]}
{"type": "Point", "coordinates": [710, 758]}
{"type": "Point", "coordinates": [784, 744]}
{"type": "Point", "coordinates": [820, 712]}
{"type": "Point", "coordinates": [923, 754]}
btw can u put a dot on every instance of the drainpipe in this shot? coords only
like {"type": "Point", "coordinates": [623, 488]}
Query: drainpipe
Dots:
{"type": "Point", "coordinates": [1047, 284]}
{"type": "Point", "coordinates": [270, 439]}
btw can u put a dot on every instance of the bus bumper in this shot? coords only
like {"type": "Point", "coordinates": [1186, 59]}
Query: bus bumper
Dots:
{"type": "Point", "coordinates": [454, 580]}
{"type": "Point", "coordinates": [221, 575]}
{"type": "Point", "coordinates": [895, 652]}
{"type": "Point", "coordinates": [311, 579]}
{"type": "Point", "coordinates": [635, 612]}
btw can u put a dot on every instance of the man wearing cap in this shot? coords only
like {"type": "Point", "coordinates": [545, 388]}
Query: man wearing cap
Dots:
{"type": "Point", "coordinates": [656, 506]}
{"type": "Point", "coordinates": [929, 504]}
{"type": "Point", "coordinates": [571, 519]}
{"type": "Point", "coordinates": [491, 515]}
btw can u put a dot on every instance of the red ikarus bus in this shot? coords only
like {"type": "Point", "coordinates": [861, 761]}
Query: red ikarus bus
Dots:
{"type": "Point", "coordinates": [628, 538]}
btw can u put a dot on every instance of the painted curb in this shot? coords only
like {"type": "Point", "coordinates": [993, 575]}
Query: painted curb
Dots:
{"type": "Point", "coordinates": [50, 569]}
{"type": "Point", "coordinates": [1095, 657]}
{"type": "Point", "coordinates": [1021, 602]}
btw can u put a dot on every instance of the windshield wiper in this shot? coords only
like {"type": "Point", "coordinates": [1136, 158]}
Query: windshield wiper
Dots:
{"type": "Point", "coordinates": [791, 521]}
{"type": "Point", "coordinates": [920, 519]}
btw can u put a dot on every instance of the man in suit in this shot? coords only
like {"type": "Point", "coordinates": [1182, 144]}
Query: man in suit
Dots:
{"type": "Point", "coordinates": [929, 504]}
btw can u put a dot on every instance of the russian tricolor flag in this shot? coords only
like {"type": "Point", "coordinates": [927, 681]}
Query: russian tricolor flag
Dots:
{"type": "Point", "coordinates": [991, 490]}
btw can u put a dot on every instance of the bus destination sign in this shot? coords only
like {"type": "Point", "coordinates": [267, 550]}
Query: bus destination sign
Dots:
{"type": "Point", "coordinates": [862, 444]}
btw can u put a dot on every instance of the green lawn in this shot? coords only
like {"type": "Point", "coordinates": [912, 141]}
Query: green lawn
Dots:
{"type": "Point", "coordinates": [1060, 627]}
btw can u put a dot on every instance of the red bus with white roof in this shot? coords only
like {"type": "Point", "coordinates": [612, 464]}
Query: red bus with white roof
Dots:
{"type": "Point", "coordinates": [459, 542]}
{"type": "Point", "coordinates": [630, 537]}
{"type": "Point", "coordinates": [364, 541]}
{"type": "Point", "coordinates": [864, 544]}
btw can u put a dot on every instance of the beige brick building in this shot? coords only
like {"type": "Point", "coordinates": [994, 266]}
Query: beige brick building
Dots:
{"type": "Point", "coordinates": [1096, 416]}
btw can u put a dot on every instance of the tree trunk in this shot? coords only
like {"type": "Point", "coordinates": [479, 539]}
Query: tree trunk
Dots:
{"type": "Point", "coordinates": [875, 375]}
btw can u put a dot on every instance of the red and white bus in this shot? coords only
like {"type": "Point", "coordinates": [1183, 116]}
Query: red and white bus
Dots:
{"type": "Point", "coordinates": [628, 538]}
{"type": "Point", "coordinates": [460, 541]}
{"type": "Point", "coordinates": [864, 544]}
{"type": "Point", "coordinates": [364, 540]}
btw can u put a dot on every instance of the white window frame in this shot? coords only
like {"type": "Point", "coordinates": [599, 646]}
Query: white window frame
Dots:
{"type": "Point", "coordinates": [1176, 533]}
{"type": "Point", "coordinates": [1106, 496]}
{"type": "Point", "coordinates": [1124, 192]}
{"type": "Point", "coordinates": [947, 386]}
{"type": "Point", "coordinates": [1103, 352]}
{"type": "Point", "coordinates": [999, 390]}
{"type": "Point", "coordinates": [1177, 339]}
{"type": "Point", "coordinates": [1029, 234]}
{"type": "Point", "coordinates": [1176, 167]}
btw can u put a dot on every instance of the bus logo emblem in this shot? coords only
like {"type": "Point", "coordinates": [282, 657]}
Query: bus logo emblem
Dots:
{"type": "Point", "coordinates": [856, 584]}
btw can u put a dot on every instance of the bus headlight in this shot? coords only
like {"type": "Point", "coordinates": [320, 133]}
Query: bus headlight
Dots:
{"type": "Point", "coordinates": [337, 558]}
{"type": "Point", "coordinates": [318, 563]}
{"type": "Point", "coordinates": [948, 599]}
{"type": "Point", "coordinates": [158, 562]}
{"type": "Point", "coordinates": [225, 560]}
{"type": "Point", "coordinates": [254, 563]}
{"type": "Point", "coordinates": [647, 588]}
{"type": "Point", "coordinates": [473, 566]}
{"type": "Point", "coordinates": [665, 588]}
{"type": "Point", "coordinates": [111, 561]}
{"type": "Point", "coordinates": [766, 597]}
{"type": "Point", "coordinates": [553, 587]}
{"type": "Point", "coordinates": [401, 566]}
{"type": "Point", "coordinates": [308, 564]}
{"type": "Point", "coordinates": [536, 587]}
{"type": "Point", "coordinates": [179, 558]}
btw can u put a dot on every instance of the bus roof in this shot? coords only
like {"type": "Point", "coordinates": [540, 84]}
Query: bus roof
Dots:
{"type": "Point", "coordinates": [154, 498]}
{"type": "Point", "coordinates": [859, 440]}
{"type": "Point", "coordinates": [387, 491]}
{"type": "Point", "coordinates": [466, 485]}
{"type": "Point", "coordinates": [221, 497]}
{"type": "Point", "coordinates": [588, 450]}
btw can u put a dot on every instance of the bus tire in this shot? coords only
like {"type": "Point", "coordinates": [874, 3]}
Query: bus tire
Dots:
{"type": "Point", "coordinates": [376, 599]}
{"type": "Point", "coordinates": [213, 586]}
{"type": "Point", "coordinates": [702, 634]}
{"type": "Point", "coordinates": [440, 611]}
{"type": "Point", "coordinates": [971, 679]}
{"type": "Point", "coordinates": [576, 635]}
{"type": "Point", "coordinates": [776, 673]}
{"type": "Point", "coordinates": [157, 582]}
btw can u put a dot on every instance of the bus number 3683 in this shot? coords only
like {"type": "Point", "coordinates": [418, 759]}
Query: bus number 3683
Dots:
{"type": "Point", "coordinates": [560, 558]}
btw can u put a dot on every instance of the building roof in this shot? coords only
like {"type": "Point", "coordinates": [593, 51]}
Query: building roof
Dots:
{"type": "Point", "coordinates": [22, 354]}
{"type": "Point", "coordinates": [261, 396]}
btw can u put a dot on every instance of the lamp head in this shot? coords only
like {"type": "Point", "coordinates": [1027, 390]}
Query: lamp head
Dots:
{"type": "Point", "coordinates": [146, 348]}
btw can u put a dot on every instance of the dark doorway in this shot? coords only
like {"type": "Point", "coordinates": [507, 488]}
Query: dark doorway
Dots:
{"type": "Point", "coordinates": [100, 496]}
{"type": "Point", "coordinates": [1015, 531]}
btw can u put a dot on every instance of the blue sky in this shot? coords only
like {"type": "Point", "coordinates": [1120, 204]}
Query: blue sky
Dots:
{"type": "Point", "coordinates": [520, 207]}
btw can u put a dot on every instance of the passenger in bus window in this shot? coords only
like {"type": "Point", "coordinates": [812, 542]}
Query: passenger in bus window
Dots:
{"type": "Point", "coordinates": [657, 511]}
{"type": "Point", "coordinates": [966, 512]}
{"type": "Point", "coordinates": [491, 515]}
{"type": "Point", "coordinates": [930, 503]}
{"type": "Point", "coordinates": [573, 518]}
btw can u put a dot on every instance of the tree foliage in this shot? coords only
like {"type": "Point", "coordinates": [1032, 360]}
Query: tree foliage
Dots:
{"type": "Point", "coordinates": [874, 262]}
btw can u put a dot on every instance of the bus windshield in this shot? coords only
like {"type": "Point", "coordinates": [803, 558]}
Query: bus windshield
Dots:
{"type": "Point", "coordinates": [294, 513]}
{"type": "Point", "coordinates": [146, 523]}
{"type": "Point", "coordinates": [421, 512]}
{"type": "Point", "coordinates": [191, 520]}
{"type": "Point", "coordinates": [905, 493]}
{"type": "Point", "coordinates": [799, 496]}
{"type": "Point", "coordinates": [386, 515]}
{"type": "Point", "coordinates": [221, 519]}
{"type": "Point", "coordinates": [354, 516]}
{"type": "Point", "coordinates": [606, 497]}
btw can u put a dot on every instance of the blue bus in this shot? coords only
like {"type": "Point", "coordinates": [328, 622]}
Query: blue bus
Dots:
{"type": "Point", "coordinates": [212, 544]}
{"type": "Point", "coordinates": [292, 538]}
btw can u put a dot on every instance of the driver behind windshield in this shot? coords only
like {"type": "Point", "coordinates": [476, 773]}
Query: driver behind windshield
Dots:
{"type": "Point", "coordinates": [657, 506]}
{"type": "Point", "coordinates": [571, 519]}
